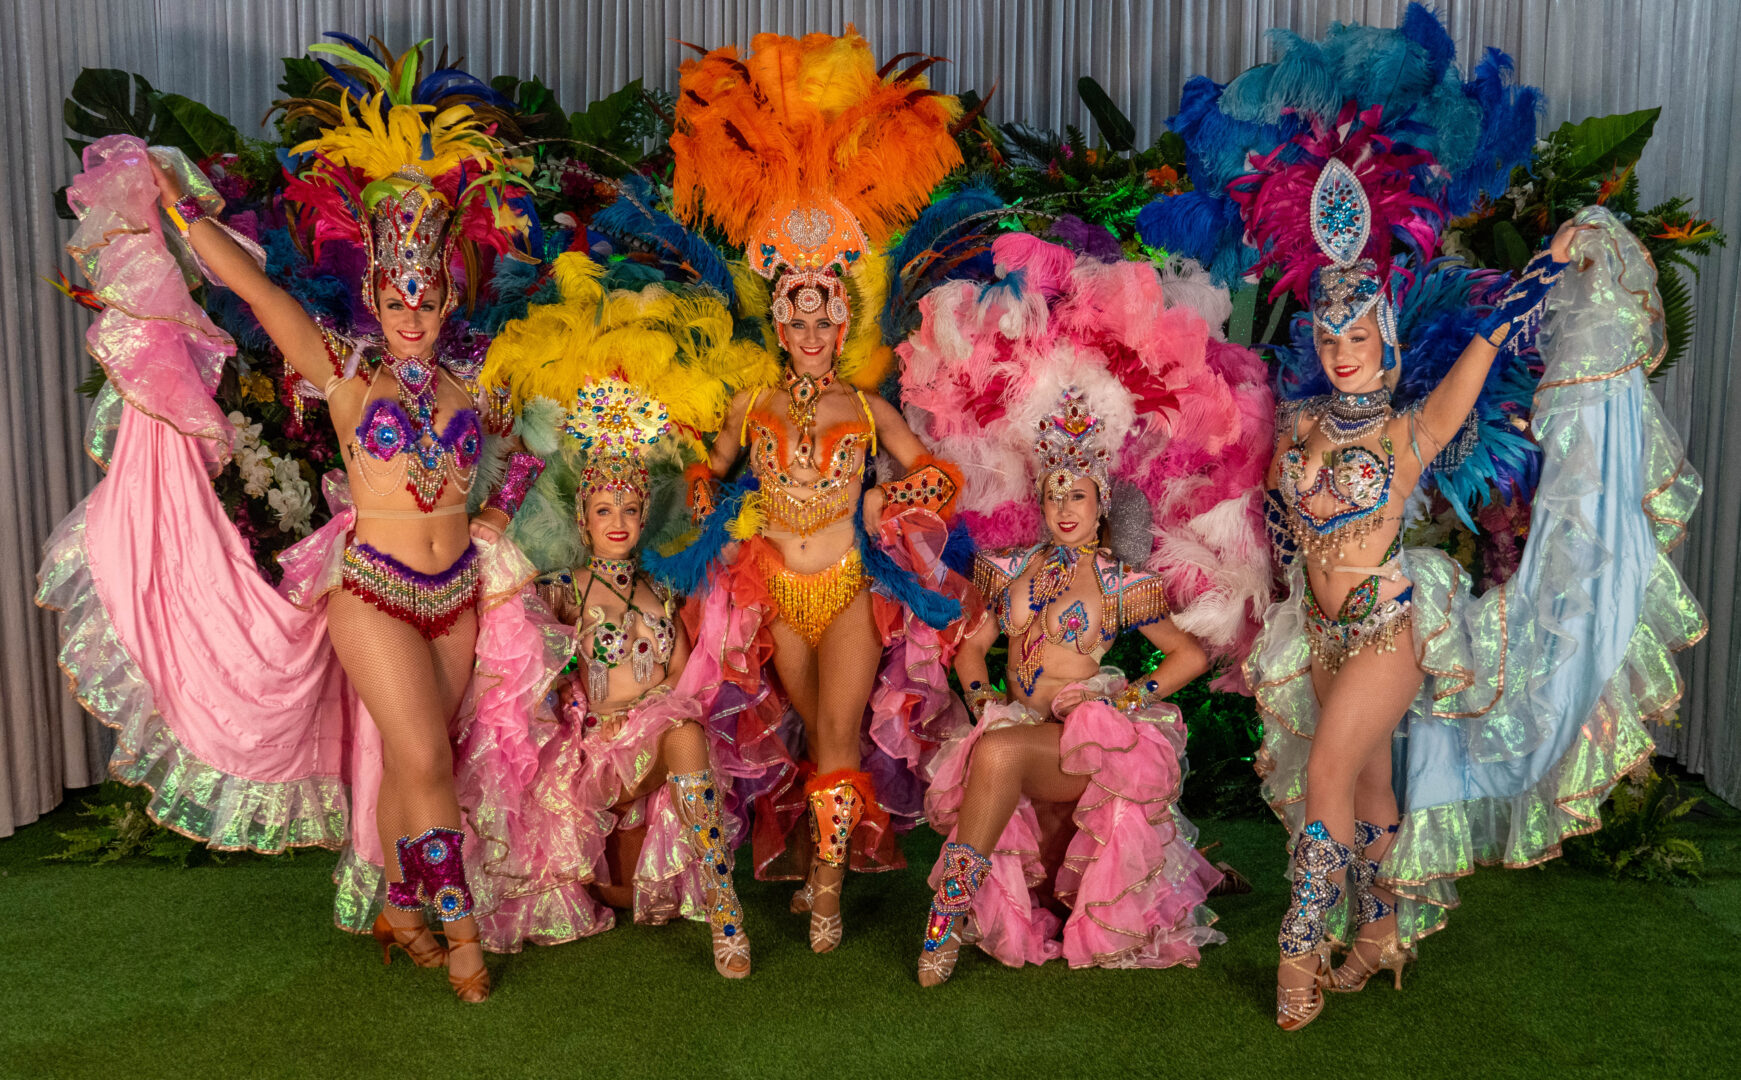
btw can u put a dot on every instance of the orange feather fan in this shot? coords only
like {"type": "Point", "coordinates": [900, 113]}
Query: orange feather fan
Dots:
{"type": "Point", "coordinates": [801, 123]}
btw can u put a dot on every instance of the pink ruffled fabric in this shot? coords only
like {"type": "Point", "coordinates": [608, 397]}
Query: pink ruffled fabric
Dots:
{"type": "Point", "coordinates": [910, 715]}
{"type": "Point", "coordinates": [1135, 884]}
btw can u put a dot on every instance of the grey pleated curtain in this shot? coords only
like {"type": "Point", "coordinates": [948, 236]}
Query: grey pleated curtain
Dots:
{"type": "Point", "coordinates": [1591, 57]}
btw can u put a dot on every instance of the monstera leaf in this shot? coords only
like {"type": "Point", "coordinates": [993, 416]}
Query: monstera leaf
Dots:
{"type": "Point", "coordinates": [105, 101]}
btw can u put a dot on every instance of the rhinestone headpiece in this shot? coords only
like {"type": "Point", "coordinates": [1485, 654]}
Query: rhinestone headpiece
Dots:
{"type": "Point", "coordinates": [1068, 448]}
{"type": "Point", "coordinates": [615, 424]}
{"type": "Point", "coordinates": [1341, 224]}
{"type": "Point", "coordinates": [409, 245]}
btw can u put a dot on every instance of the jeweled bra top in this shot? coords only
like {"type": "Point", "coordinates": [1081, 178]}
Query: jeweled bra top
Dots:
{"type": "Point", "coordinates": [400, 444]}
{"type": "Point", "coordinates": [843, 450]}
{"type": "Point", "coordinates": [1357, 482]}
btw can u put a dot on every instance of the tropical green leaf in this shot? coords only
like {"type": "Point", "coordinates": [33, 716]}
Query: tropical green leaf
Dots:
{"type": "Point", "coordinates": [1510, 246]}
{"type": "Point", "coordinates": [105, 101]}
{"type": "Point", "coordinates": [1601, 144]}
{"type": "Point", "coordinates": [1115, 127]}
{"type": "Point", "coordinates": [300, 75]}
{"type": "Point", "coordinates": [1678, 316]}
{"type": "Point", "coordinates": [604, 131]}
{"type": "Point", "coordinates": [195, 129]}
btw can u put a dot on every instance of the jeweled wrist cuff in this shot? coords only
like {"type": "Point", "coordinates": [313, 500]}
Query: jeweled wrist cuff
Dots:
{"type": "Point", "coordinates": [1137, 695]}
{"type": "Point", "coordinates": [522, 472]}
{"type": "Point", "coordinates": [979, 696]}
{"type": "Point", "coordinates": [184, 212]}
{"type": "Point", "coordinates": [930, 486]}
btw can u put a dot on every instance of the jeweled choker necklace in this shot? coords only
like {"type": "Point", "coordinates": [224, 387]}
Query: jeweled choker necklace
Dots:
{"type": "Point", "coordinates": [1348, 418]}
{"type": "Point", "coordinates": [618, 572]}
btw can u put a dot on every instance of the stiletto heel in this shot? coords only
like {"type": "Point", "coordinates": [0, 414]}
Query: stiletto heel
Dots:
{"type": "Point", "coordinates": [473, 989]}
{"type": "Point", "coordinates": [406, 938]}
{"type": "Point", "coordinates": [1351, 977]}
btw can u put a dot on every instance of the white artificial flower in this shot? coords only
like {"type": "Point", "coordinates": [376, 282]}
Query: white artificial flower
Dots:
{"type": "Point", "coordinates": [293, 502]}
{"type": "Point", "coordinates": [254, 463]}
{"type": "Point", "coordinates": [247, 434]}
{"type": "Point", "coordinates": [284, 471]}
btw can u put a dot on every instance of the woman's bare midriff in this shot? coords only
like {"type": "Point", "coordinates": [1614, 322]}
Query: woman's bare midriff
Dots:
{"type": "Point", "coordinates": [428, 544]}
{"type": "Point", "coordinates": [1330, 587]}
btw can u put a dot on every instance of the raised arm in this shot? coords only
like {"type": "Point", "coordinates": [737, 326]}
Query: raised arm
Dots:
{"type": "Point", "coordinates": [927, 482]}
{"type": "Point", "coordinates": [290, 328]}
{"type": "Point", "coordinates": [1449, 403]}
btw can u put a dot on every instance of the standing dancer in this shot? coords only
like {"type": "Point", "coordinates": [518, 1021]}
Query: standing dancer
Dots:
{"type": "Point", "coordinates": [396, 580]}
{"type": "Point", "coordinates": [809, 156]}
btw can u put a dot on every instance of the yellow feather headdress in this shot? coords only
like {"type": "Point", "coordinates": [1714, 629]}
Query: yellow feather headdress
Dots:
{"type": "Point", "coordinates": [412, 166]}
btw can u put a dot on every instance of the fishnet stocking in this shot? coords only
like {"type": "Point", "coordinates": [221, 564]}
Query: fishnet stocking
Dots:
{"type": "Point", "coordinates": [1007, 764]}
{"type": "Point", "coordinates": [411, 688]}
{"type": "Point", "coordinates": [832, 709]}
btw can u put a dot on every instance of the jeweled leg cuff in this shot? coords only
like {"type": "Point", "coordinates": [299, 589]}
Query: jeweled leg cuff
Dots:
{"type": "Point", "coordinates": [964, 869]}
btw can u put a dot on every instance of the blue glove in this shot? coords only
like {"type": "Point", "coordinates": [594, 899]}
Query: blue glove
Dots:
{"type": "Point", "coordinates": [1518, 315]}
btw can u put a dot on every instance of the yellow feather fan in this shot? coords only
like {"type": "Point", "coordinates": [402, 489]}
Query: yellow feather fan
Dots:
{"type": "Point", "coordinates": [675, 346]}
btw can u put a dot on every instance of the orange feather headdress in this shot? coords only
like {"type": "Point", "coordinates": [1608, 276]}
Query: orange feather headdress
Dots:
{"type": "Point", "coordinates": [809, 156]}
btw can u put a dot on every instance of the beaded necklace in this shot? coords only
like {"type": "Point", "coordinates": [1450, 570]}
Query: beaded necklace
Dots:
{"type": "Point", "coordinates": [806, 391]}
{"type": "Point", "coordinates": [1346, 419]}
{"type": "Point", "coordinates": [1051, 581]}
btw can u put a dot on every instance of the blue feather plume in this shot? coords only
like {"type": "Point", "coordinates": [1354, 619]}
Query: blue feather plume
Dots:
{"type": "Point", "coordinates": [633, 216]}
{"type": "Point", "coordinates": [685, 569]}
{"type": "Point", "coordinates": [936, 230]}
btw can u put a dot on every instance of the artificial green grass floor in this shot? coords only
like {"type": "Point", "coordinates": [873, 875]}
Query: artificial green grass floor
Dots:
{"type": "Point", "coordinates": [137, 969]}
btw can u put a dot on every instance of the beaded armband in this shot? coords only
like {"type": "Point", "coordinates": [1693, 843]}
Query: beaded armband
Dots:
{"type": "Point", "coordinates": [698, 489]}
{"type": "Point", "coordinates": [185, 212]}
{"type": "Point", "coordinates": [298, 391]}
{"type": "Point", "coordinates": [931, 485]}
{"type": "Point", "coordinates": [1515, 319]}
{"type": "Point", "coordinates": [522, 472]}
{"type": "Point", "coordinates": [1137, 696]}
{"type": "Point", "coordinates": [979, 696]}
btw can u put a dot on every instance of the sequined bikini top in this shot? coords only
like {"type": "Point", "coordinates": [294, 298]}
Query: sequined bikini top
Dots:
{"type": "Point", "coordinates": [840, 456]}
{"type": "Point", "coordinates": [399, 441]}
{"type": "Point", "coordinates": [1129, 599]}
{"type": "Point", "coordinates": [1358, 484]}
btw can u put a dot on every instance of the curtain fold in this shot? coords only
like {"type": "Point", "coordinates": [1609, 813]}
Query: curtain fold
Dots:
{"type": "Point", "coordinates": [1594, 57]}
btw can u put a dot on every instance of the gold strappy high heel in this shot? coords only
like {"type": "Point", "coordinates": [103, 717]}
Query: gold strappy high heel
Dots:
{"type": "Point", "coordinates": [1298, 1006]}
{"type": "Point", "coordinates": [473, 989]}
{"type": "Point", "coordinates": [825, 930]}
{"type": "Point", "coordinates": [1352, 975]}
{"type": "Point", "coordinates": [407, 938]}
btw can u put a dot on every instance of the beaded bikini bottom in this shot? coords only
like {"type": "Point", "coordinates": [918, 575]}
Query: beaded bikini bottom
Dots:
{"type": "Point", "coordinates": [809, 602]}
{"type": "Point", "coordinates": [430, 602]}
{"type": "Point", "coordinates": [1364, 620]}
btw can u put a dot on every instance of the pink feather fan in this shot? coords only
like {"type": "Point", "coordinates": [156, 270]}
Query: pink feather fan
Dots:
{"type": "Point", "coordinates": [1190, 416]}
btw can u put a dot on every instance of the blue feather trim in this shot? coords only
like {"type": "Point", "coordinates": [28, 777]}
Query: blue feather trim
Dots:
{"type": "Point", "coordinates": [685, 570]}
{"type": "Point", "coordinates": [633, 216]}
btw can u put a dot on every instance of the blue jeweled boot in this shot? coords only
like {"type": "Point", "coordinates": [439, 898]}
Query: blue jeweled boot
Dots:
{"type": "Point", "coordinates": [1316, 858]}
